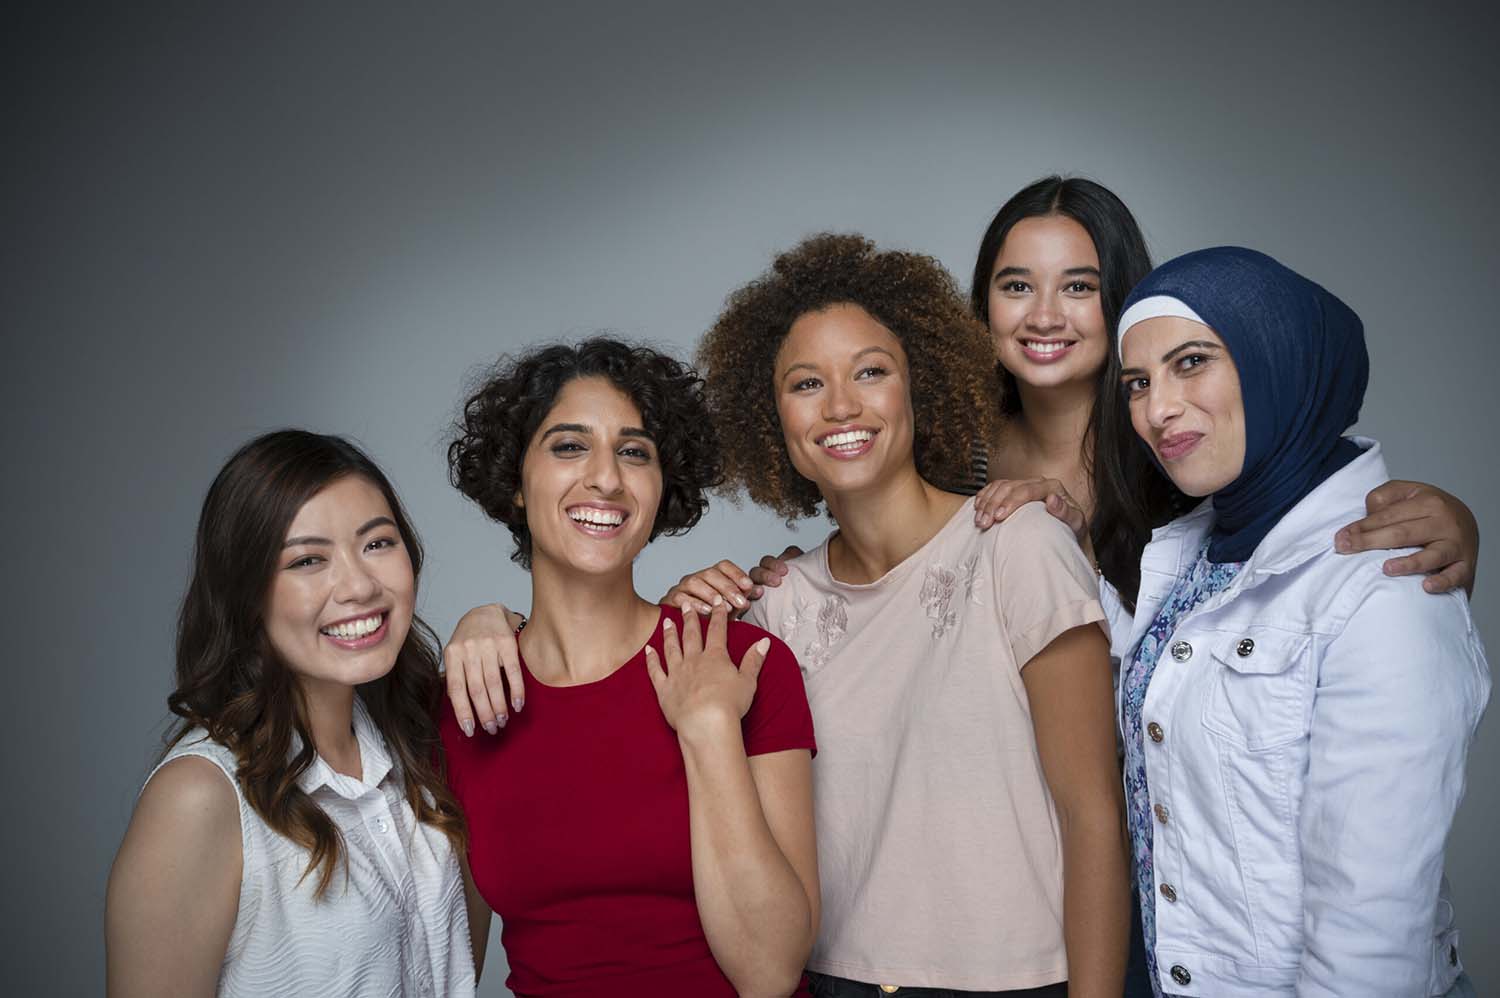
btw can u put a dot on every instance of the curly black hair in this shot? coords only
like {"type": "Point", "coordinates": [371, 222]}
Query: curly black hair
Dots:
{"type": "Point", "coordinates": [504, 413]}
{"type": "Point", "coordinates": [953, 392]}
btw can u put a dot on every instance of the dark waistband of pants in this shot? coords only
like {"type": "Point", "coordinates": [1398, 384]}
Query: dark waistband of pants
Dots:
{"type": "Point", "coordinates": [825, 986]}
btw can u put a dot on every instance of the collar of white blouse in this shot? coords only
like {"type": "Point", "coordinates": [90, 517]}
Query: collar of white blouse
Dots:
{"type": "Point", "coordinates": [375, 761]}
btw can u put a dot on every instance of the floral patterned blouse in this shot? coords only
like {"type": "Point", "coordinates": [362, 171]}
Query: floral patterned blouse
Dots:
{"type": "Point", "coordinates": [1202, 580]}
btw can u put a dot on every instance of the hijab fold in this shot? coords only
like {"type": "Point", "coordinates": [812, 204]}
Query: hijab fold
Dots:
{"type": "Point", "coordinates": [1303, 368]}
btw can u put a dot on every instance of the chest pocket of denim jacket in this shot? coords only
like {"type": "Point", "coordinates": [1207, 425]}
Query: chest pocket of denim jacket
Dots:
{"type": "Point", "coordinates": [1260, 697]}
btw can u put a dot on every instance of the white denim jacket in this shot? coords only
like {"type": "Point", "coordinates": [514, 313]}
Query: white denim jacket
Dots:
{"type": "Point", "coordinates": [1307, 730]}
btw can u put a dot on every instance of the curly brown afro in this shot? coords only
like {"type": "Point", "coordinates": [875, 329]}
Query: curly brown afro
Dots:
{"type": "Point", "coordinates": [501, 417]}
{"type": "Point", "coordinates": [953, 385]}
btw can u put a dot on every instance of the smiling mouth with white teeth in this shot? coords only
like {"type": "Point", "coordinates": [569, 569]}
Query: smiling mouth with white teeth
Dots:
{"type": "Point", "coordinates": [1046, 346]}
{"type": "Point", "coordinates": [594, 520]}
{"type": "Point", "coordinates": [353, 630]}
{"type": "Point", "coordinates": [847, 441]}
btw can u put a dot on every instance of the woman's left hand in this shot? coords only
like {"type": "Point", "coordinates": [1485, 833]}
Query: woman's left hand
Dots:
{"type": "Point", "coordinates": [700, 685]}
{"type": "Point", "coordinates": [1002, 497]}
{"type": "Point", "coordinates": [1412, 514]}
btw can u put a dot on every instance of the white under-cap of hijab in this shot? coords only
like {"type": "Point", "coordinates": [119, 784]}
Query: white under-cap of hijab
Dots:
{"type": "Point", "coordinates": [1154, 307]}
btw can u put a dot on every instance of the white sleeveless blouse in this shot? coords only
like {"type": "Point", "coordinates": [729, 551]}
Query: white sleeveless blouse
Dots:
{"type": "Point", "coordinates": [394, 925]}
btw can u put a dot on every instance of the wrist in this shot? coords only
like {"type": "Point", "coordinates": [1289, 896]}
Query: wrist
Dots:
{"type": "Point", "coordinates": [707, 726]}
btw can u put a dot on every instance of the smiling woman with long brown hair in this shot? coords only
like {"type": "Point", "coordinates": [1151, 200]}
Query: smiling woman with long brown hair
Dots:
{"type": "Point", "coordinates": [296, 837]}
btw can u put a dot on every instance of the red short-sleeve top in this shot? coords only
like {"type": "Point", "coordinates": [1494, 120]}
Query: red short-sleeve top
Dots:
{"type": "Point", "coordinates": [578, 827]}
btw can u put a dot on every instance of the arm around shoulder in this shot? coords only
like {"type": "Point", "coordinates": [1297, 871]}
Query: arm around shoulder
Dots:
{"type": "Point", "coordinates": [174, 888]}
{"type": "Point", "coordinates": [1399, 694]}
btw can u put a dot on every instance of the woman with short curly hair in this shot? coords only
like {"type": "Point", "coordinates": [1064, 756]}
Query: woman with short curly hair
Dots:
{"type": "Point", "coordinates": [644, 826]}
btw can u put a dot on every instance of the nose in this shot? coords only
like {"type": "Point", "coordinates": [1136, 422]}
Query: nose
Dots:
{"type": "Point", "coordinates": [840, 402]}
{"type": "Point", "coordinates": [1044, 315]}
{"type": "Point", "coordinates": [355, 582]}
{"type": "Point", "coordinates": [1163, 403]}
{"type": "Point", "coordinates": [602, 474]}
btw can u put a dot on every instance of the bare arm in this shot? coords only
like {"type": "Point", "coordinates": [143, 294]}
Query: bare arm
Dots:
{"type": "Point", "coordinates": [174, 888]}
{"type": "Point", "coordinates": [1411, 514]}
{"type": "Point", "coordinates": [1072, 710]}
{"type": "Point", "coordinates": [754, 860]}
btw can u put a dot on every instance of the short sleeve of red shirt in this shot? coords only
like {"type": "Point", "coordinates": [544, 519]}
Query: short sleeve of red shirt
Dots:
{"type": "Point", "coordinates": [779, 718]}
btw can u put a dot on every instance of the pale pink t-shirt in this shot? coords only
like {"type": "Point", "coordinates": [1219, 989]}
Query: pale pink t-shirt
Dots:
{"type": "Point", "coordinates": [938, 844]}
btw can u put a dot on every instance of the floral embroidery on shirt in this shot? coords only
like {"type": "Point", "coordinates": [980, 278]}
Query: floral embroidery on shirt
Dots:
{"type": "Point", "coordinates": [937, 597]}
{"type": "Point", "coordinates": [830, 622]}
{"type": "Point", "coordinates": [941, 585]}
{"type": "Point", "coordinates": [973, 581]}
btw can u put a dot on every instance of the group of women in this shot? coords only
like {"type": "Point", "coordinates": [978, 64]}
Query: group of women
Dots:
{"type": "Point", "coordinates": [1178, 728]}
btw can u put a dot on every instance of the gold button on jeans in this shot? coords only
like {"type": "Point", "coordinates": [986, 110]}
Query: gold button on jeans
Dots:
{"type": "Point", "coordinates": [890, 989]}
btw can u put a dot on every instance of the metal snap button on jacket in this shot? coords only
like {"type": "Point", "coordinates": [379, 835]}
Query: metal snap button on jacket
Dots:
{"type": "Point", "coordinates": [1161, 813]}
{"type": "Point", "coordinates": [1181, 975]}
{"type": "Point", "coordinates": [1169, 892]}
{"type": "Point", "coordinates": [1154, 730]}
{"type": "Point", "coordinates": [1244, 648]}
{"type": "Point", "coordinates": [1182, 651]}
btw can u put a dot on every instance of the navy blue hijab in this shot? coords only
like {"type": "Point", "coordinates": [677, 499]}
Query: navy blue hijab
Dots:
{"type": "Point", "coordinates": [1303, 368]}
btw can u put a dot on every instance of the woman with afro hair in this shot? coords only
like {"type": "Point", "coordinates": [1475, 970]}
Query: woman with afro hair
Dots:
{"type": "Point", "coordinates": [644, 826]}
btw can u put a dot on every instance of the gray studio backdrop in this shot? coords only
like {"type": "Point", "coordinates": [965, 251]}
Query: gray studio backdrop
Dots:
{"type": "Point", "coordinates": [222, 221]}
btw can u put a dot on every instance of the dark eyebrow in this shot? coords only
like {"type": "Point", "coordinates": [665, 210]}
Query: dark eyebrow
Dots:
{"type": "Point", "coordinates": [1026, 272]}
{"type": "Point", "coordinates": [379, 521]}
{"type": "Point", "coordinates": [857, 354]}
{"type": "Point", "coordinates": [625, 431]}
{"type": "Point", "coordinates": [1187, 346]}
{"type": "Point", "coordinates": [568, 428]}
{"type": "Point", "coordinates": [1129, 372]}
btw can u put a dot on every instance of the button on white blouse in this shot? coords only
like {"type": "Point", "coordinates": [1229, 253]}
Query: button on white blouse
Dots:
{"type": "Point", "coordinates": [395, 924]}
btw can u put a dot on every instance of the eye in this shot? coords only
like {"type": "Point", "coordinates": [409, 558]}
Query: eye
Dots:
{"type": "Point", "coordinates": [1015, 287]}
{"type": "Point", "coordinates": [381, 543]}
{"type": "Point", "coordinates": [1135, 386]}
{"type": "Point", "coordinates": [566, 448]}
{"type": "Point", "coordinates": [1079, 287]}
{"type": "Point", "coordinates": [806, 385]}
{"type": "Point", "coordinates": [635, 452]}
{"type": "Point", "coordinates": [305, 561]}
{"type": "Point", "coordinates": [1191, 361]}
{"type": "Point", "coordinates": [874, 371]}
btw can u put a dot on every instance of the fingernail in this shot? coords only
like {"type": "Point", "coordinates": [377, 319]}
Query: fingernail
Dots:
{"type": "Point", "coordinates": [739, 600]}
{"type": "Point", "coordinates": [757, 592]}
{"type": "Point", "coordinates": [745, 583]}
{"type": "Point", "coordinates": [666, 624]}
{"type": "Point", "coordinates": [468, 728]}
{"type": "Point", "coordinates": [517, 703]}
{"type": "Point", "coordinates": [502, 720]}
{"type": "Point", "coordinates": [762, 646]}
{"type": "Point", "coordinates": [718, 600]}
{"type": "Point", "coordinates": [1341, 541]}
{"type": "Point", "coordinates": [491, 727]}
